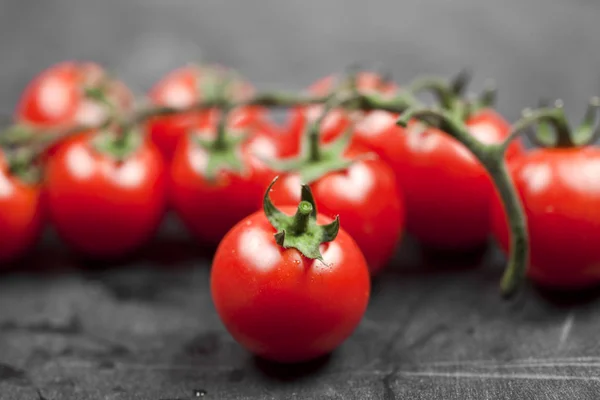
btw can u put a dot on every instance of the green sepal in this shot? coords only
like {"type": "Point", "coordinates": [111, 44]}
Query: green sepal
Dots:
{"type": "Point", "coordinates": [331, 159]}
{"type": "Point", "coordinates": [222, 154]}
{"type": "Point", "coordinates": [16, 133]}
{"type": "Point", "coordinates": [301, 230]}
{"type": "Point", "coordinates": [118, 145]}
{"type": "Point", "coordinates": [588, 130]}
{"type": "Point", "coordinates": [21, 163]}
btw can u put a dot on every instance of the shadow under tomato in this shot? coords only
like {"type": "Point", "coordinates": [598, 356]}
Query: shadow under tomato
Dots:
{"type": "Point", "coordinates": [465, 259]}
{"type": "Point", "coordinates": [567, 298]}
{"type": "Point", "coordinates": [290, 372]}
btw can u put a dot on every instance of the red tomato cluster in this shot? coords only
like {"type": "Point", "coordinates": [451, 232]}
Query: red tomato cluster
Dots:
{"type": "Point", "coordinates": [106, 187]}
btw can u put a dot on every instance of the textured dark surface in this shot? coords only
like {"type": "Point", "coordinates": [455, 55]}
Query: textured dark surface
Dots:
{"type": "Point", "coordinates": [146, 329]}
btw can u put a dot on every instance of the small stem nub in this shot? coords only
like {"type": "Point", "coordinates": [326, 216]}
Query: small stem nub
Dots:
{"type": "Point", "coordinates": [302, 217]}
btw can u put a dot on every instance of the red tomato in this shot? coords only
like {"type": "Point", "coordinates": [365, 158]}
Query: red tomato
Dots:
{"type": "Point", "coordinates": [447, 191]}
{"type": "Point", "coordinates": [280, 304]}
{"type": "Point", "coordinates": [182, 88]}
{"type": "Point", "coordinates": [337, 121]}
{"type": "Point", "coordinates": [101, 206]}
{"type": "Point", "coordinates": [56, 98]}
{"type": "Point", "coordinates": [560, 193]}
{"type": "Point", "coordinates": [21, 214]}
{"type": "Point", "coordinates": [210, 209]}
{"type": "Point", "coordinates": [366, 198]}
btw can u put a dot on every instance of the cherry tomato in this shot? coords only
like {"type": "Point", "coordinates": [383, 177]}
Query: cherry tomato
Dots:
{"type": "Point", "coordinates": [280, 304]}
{"type": "Point", "coordinates": [56, 97]}
{"type": "Point", "coordinates": [447, 191]}
{"type": "Point", "coordinates": [21, 214]}
{"type": "Point", "coordinates": [560, 192]}
{"type": "Point", "coordinates": [209, 208]}
{"type": "Point", "coordinates": [337, 121]}
{"type": "Point", "coordinates": [180, 89]}
{"type": "Point", "coordinates": [367, 199]}
{"type": "Point", "coordinates": [102, 206]}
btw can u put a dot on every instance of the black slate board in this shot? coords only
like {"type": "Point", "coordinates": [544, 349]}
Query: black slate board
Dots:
{"type": "Point", "coordinates": [436, 328]}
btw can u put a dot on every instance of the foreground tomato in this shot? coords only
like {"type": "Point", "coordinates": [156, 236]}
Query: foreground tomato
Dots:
{"type": "Point", "coordinates": [213, 186]}
{"type": "Point", "coordinates": [337, 121]}
{"type": "Point", "coordinates": [106, 199]}
{"type": "Point", "coordinates": [275, 296]}
{"type": "Point", "coordinates": [20, 213]}
{"type": "Point", "coordinates": [559, 190]}
{"type": "Point", "coordinates": [57, 98]}
{"type": "Point", "coordinates": [364, 194]}
{"type": "Point", "coordinates": [186, 86]}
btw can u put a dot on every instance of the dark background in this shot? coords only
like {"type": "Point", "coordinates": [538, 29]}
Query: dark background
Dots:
{"type": "Point", "coordinates": [435, 328]}
{"type": "Point", "coordinates": [532, 48]}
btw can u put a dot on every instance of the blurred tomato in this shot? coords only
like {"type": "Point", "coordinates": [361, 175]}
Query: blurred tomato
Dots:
{"type": "Point", "coordinates": [56, 97]}
{"type": "Point", "coordinates": [447, 191]}
{"type": "Point", "coordinates": [210, 206]}
{"type": "Point", "coordinates": [367, 199]}
{"type": "Point", "coordinates": [337, 121]}
{"type": "Point", "coordinates": [560, 193]}
{"type": "Point", "coordinates": [21, 214]}
{"type": "Point", "coordinates": [102, 205]}
{"type": "Point", "coordinates": [188, 85]}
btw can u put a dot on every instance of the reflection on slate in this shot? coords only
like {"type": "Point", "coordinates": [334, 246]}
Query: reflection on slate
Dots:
{"type": "Point", "coordinates": [435, 329]}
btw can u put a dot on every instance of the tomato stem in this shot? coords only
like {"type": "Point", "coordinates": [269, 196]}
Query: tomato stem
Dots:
{"type": "Point", "coordinates": [364, 102]}
{"type": "Point", "coordinates": [220, 142]}
{"type": "Point", "coordinates": [438, 87]}
{"type": "Point", "coordinates": [492, 158]}
{"type": "Point", "coordinates": [302, 217]}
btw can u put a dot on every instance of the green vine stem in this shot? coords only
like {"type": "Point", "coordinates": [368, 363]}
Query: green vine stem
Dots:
{"type": "Point", "coordinates": [492, 158]}
{"type": "Point", "coordinates": [397, 104]}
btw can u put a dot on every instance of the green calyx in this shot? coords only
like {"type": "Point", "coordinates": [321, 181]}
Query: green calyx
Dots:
{"type": "Point", "coordinates": [118, 144]}
{"type": "Point", "coordinates": [451, 94]}
{"type": "Point", "coordinates": [553, 128]}
{"type": "Point", "coordinates": [301, 230]}
{"type": "Point", "coordinates": [17, 133]}
{"type": "Point", "coordinates": [223, 153]}
{"type": "Point", "coordinates": [21, 163]}
{"type": "Point", "coordinates": [317, 160]}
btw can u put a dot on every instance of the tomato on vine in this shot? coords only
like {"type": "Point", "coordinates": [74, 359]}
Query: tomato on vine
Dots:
{"type": "Point", "coordinates": [350, 182]}
{"type": "Point", "coordinates": [338, 120]}
{"type": "Point", "coordinates": [446, 189]}
{"type": "Point", "coordinates": [66, 96]}
{"type": "Point", "coordinates": [106, 192]}
{"type": "Point", "coordinates": [289, 287]}
{"type": "Point", "coordinates": [559, 186]}
{"type": "Point", "coordinates": [21, 211]}
{"type": "Point", "coordinates": [218, 176]}
{"type": "Point", "coordinates": [184, 87]}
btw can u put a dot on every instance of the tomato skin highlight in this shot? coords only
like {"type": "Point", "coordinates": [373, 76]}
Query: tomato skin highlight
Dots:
{"type": "Point", "coordinates": [559, 192]}
{"type": "Point", "coordinates": [101, 207]}
{"type": "Point", "coordinates": [210, 209]}
{"type": "Point", "coordinates": [182, 88]}
{"type": "Point", "coordinates": [281, 305]}
{"type": "Point", "coordinates": [21, 215]}
{"type": "Point", "coordinates": [367, 199]}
